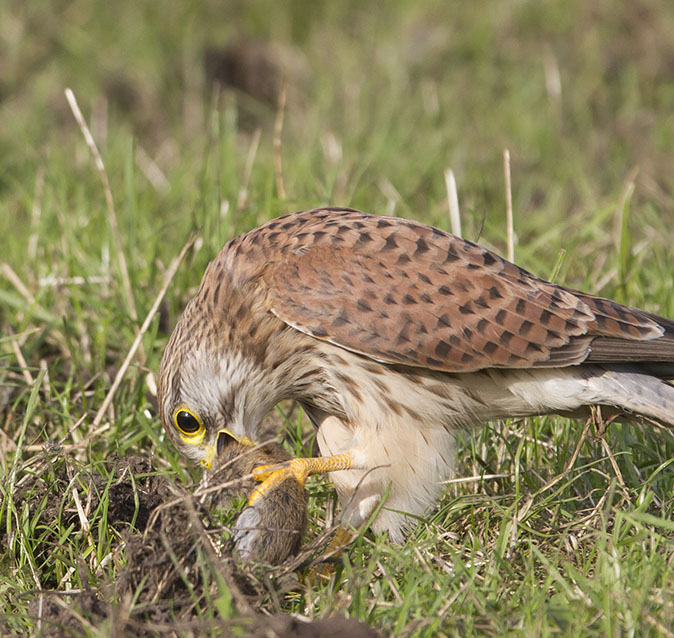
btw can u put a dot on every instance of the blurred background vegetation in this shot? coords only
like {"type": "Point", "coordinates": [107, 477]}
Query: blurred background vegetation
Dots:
{"type": "Point", "coordinates": [382, 97]}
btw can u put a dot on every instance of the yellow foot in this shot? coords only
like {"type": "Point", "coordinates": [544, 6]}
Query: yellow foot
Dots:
{"type": "Point", "coordinates": [341, 538]}
{"type": "Point", "coordinates": [272, 475]}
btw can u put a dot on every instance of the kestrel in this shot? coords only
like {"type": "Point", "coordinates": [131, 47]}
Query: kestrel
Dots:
{"type": "Point", "coordinates": [392, 335]}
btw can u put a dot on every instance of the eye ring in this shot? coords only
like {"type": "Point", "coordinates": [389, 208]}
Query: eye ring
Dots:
{"type": "Point", "coordinates": [187, 421]}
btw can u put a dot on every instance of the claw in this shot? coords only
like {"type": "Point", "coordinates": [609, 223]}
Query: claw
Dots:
{"type": "Point", "coordinates": [271, 476]}
{"type": "Point", "coordinates": [263, 472]}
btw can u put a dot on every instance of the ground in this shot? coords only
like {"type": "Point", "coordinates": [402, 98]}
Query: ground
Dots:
{"type": "Point", "coordinates": [211, 119]}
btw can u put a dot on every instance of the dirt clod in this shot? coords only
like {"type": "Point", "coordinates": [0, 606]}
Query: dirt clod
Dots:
{"type": "Point", "coordinates": [171, 557]}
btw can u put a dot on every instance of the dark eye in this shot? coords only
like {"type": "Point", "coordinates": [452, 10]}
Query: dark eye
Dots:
{"type": "Point", "coordinates": [187, 422]}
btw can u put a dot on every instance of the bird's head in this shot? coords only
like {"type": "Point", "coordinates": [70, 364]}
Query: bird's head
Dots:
{"type": "Point", "coordinates": [209, 393]}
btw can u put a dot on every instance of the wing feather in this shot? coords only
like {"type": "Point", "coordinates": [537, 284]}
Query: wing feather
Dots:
{"type": "Point", "coordinates": [405, 293]}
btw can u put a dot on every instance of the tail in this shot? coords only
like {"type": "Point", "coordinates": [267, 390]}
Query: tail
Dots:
{"type": "Point", "coordinates": [635, 392]}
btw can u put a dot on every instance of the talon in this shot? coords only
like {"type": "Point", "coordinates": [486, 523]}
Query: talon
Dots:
{"type": "Point", "coordinates": [269, 479]}
{"type": "Point", "coordinates": [272, 475]}
{"type": "Point", "coordinates": [263, 472]}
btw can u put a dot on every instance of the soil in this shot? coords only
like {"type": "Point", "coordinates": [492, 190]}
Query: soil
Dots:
{"type": "Point", "coordinates": [172, 566]}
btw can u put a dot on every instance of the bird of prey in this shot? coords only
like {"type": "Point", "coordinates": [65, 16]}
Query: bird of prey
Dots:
{"type": "Point", "coordinates": [392, 335]}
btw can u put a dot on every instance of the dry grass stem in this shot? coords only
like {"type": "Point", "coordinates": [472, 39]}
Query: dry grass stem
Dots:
{"type": "Point", "coordinates": [36, 213]}
{"type": "Point", "coordinates": [223, 569]}
{"type": "Point", "coordinates": [453, 202]}
{"type": "Point", "coordinates": [84, 522]}
{"type": "Point", "coordinates": [14, 279]}
{"type": "Point", "coordinates": [391, 193]}
{"type": "Point", "coordinates": [51, 281]}
{"type": "Point", "coordinates": [477, 477]}
{"type": "Point", "coordinates": [28, 377]}
{"type": "Point", "coordinates": [509, 206]}
{"type": "Point", "coordinates": [151, 170]}
{"type": "Point", "coordinates": [553, 79]}
{"type": "Point", "coordinates": [627, 190]}
{"type": "Point", "coordinates": [390, 582]}
{"type": "Point", "coordinates": [112, 215]}
{"type": "Point", "coordinates": [524, 510]}
{"type": "Point", "coordinates": [143, 329]}
{"type": "Point", "coordinates": [614, 465]}
{"type": "Point", "coordinates": [242, 199]}
{"type": "Point", "coordinates": [278, 131]}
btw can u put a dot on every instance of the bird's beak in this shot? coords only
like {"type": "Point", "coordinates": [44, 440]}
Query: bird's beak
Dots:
{"type": "Point", "coordinates": [223, 439]}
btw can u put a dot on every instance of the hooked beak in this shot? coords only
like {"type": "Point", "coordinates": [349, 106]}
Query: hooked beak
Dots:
{"type": "Point", "coordinates": [223, 440]}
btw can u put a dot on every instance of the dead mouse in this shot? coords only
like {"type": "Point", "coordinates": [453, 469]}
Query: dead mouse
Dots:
{"type": "Point", "coordinates": [271, 528]}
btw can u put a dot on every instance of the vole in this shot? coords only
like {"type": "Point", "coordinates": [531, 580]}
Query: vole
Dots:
{"type": "Point", "coordinates": [270, 528]}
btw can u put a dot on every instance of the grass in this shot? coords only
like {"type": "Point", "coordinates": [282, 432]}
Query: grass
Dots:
{"type": "Point", "coordinates": [574, 537]}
